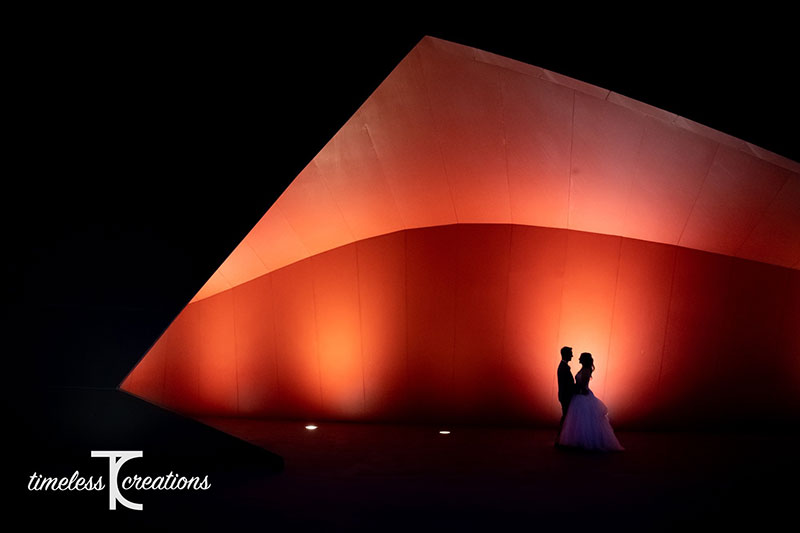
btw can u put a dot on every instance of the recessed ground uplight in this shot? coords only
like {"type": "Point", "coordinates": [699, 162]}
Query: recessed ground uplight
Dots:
{"type": "Point", "coordinates": [311, 427]}
{"type": "Point", "coordinates": [444, 432]}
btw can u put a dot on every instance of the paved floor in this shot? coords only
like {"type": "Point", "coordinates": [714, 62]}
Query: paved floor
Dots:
{"type": "Point", "coordinates": [393, 477]}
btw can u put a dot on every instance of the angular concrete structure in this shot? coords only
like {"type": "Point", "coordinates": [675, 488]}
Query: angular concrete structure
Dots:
{"type": "Point", "coordinates": [474, 215]}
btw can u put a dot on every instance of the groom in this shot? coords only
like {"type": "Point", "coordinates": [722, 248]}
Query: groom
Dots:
{"type": "Point", "coordinates": [566, 384]}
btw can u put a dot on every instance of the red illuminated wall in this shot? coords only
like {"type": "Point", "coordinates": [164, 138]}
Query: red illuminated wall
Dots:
{"type": "Point", "coordinates": [472, 217]}
{"type": "Point", "coordinates": [464, 322]}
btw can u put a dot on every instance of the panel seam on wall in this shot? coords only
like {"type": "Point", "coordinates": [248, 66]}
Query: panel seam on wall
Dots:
{"type": "Point", "coordinates": [697, 197]}
{"type": "Point", "coordinates": [438, 138]}
{"type": "Point", "coordinates": [613, 312]}
{"type": "Point", "coordinates": [634, 176]}
{"type": "Point", "coordinates": [316, 331]}
{"type": "Point", "coordinates": [235, 350]}
{"type": "Point", "coordinates": [291, 226]}
{"type": "Point", "coordinates": [361, 331]}
{"type": "Point", "coordinates": [767, 209]}
{"type": "Point", "coordinates": [569, 175]}
{"type": "Point", "coordinates": [457, 277]}
{"type": "Point", "coordinates": [407, 380]}
{"type": "Point", "coordinates": [666, 322]}
{"type": "Point", "coordinates": [324, 181]}
{"type": "Point", "coordinates": [275, 342]}
{"type": "Point", "coordinates": [553, 394]}
{"type": "Point", "coordinates": [246, 242]}
{"type": "Point", "coordinates": [384, 180]}
{"type": "Point", "coordinates": [508, 289]}
{"type": "Point", "coordinates": [505, 145]}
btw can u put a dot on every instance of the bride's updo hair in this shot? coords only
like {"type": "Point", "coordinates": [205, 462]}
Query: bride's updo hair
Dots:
{"type": "Point", "coordinates": [587, 362]}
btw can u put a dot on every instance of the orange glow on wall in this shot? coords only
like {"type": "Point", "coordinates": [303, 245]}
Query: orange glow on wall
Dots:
{"type": "Point", "coordinates": [472, 217]}
{"type": "Point", "coordinates": [464, 322]}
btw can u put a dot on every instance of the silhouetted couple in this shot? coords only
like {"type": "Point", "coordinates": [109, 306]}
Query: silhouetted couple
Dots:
{"type": "Point", "coordinates": [584, 418]}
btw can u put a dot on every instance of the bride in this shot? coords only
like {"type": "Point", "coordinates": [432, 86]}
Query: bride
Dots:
{"type": "Point", "coordinates": [586, 425]}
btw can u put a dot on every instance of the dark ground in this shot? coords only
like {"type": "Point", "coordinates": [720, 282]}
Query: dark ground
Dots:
{"type": "Point", "coordinates": [380, 477]}
{"type": "Point", "coordinates": [490, 478]}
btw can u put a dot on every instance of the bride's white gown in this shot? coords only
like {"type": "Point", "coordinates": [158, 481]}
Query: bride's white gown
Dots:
{"type": "Point", "coordinates": [586, 425]}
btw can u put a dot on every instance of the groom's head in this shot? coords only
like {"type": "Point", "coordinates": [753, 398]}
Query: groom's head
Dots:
{"type": "Point", "coordinates": [566, 353]}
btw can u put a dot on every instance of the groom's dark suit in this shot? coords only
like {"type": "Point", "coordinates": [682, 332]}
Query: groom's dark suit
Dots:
{"type": "Point", "coordinates": [566, 387]}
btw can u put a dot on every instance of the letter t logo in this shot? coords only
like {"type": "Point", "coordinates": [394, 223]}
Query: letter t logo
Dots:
{"type": "Point", "coordinates": [115, 462]}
